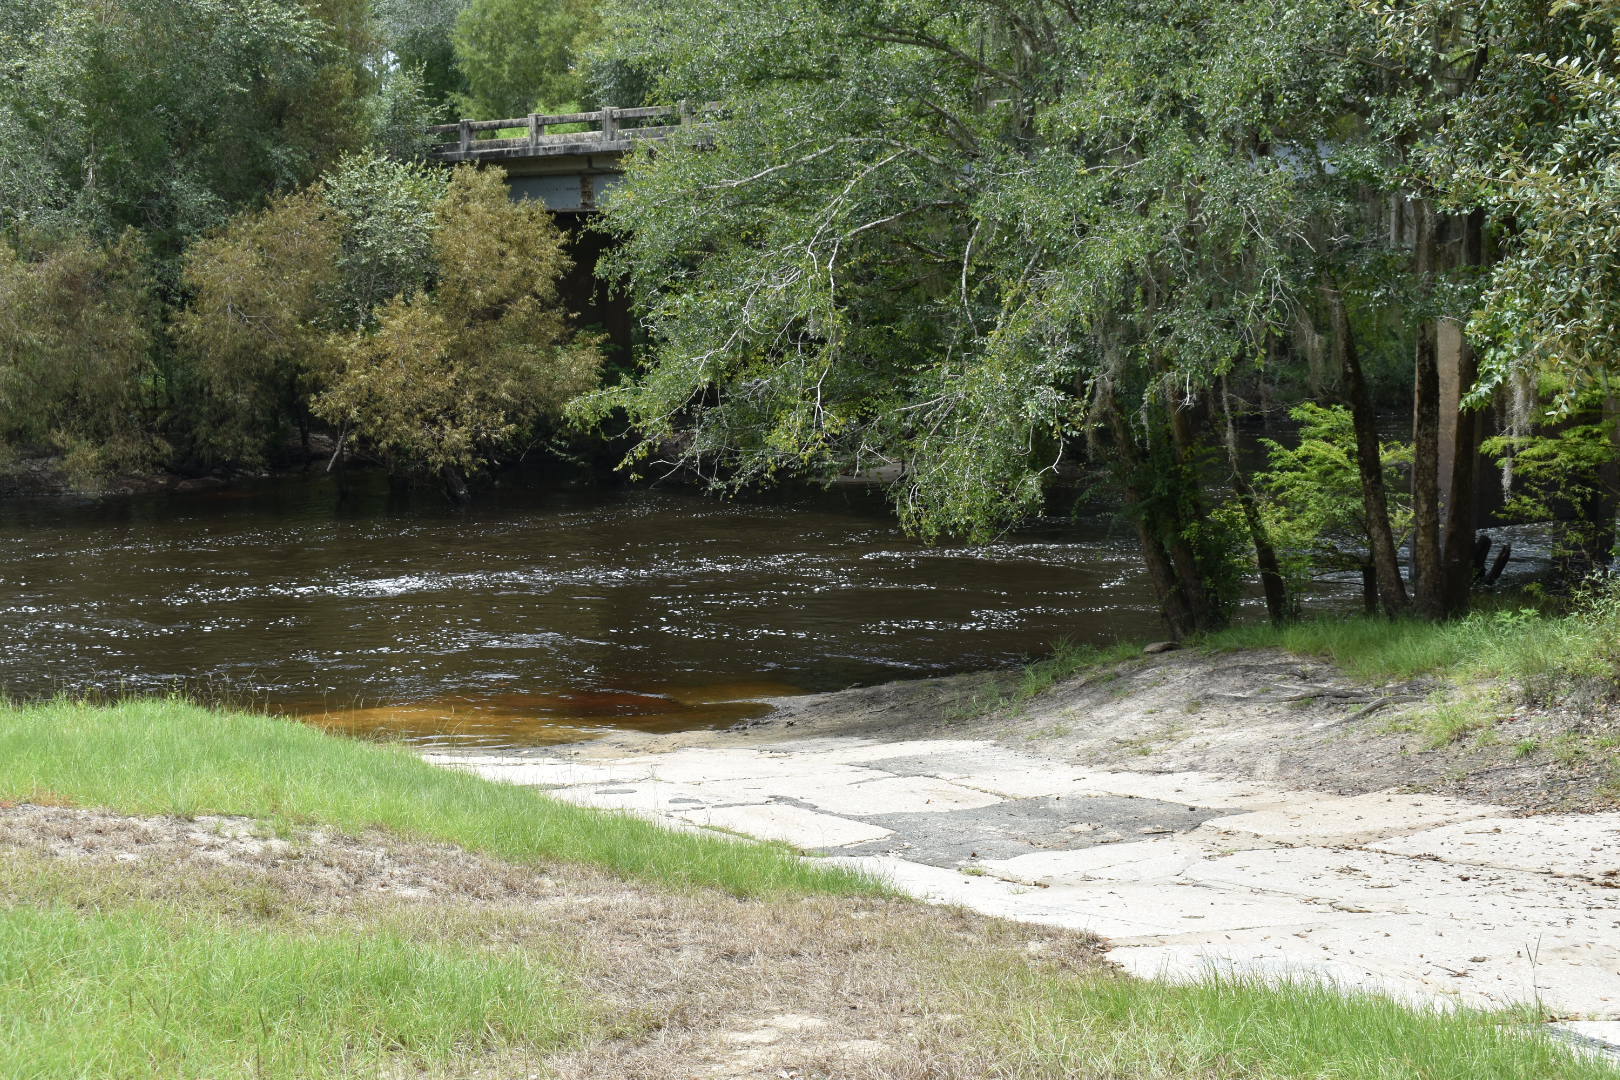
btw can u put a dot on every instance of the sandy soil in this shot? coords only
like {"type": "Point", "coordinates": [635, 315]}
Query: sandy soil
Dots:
{"type": "Point", "coordinates": [1263, 715]}
{"type": "Point", "coordinates": [692, 984]}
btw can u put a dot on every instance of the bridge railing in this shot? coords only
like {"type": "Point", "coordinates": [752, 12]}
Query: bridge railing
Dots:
{"type": "Point", "coordinates": [610, 129]}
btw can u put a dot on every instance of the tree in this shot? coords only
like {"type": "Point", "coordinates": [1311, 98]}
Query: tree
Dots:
{"type": "Point", "coordinates": [265, 297]}
{"type": "Point", "coordinates": [389, 216]}
{"type": "Point", "coordinates": [970, 241]}
{"type": "Point", "coordinates": [518, 56]}
{"type": "Point", "coordinates": [455, 375]}
{"type": "Point", "coordinates": [76, 327]}
{"type": "Point", "coordinates": [1312, 499]}
{"type": "Point", "coordinates": [169, 115]}
{"type": "Point", "coordinates": [417, 36]}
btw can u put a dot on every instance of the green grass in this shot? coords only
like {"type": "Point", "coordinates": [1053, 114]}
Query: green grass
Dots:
{"type": "Point", "coordinates": [1524, 644]}
{"type": "Point", "coordinates": [1443, 722]}
{"type": "Point", "coordinates": [141, 993]}
{"type": "Point", "coordinates": [170, 757]}
{"type": "Point", "coordinates": [1223, 1029]}
{"type": "Point", "coordinates": [1038, 676]}
{"type": "Point", "coordinates": [1067, 660]}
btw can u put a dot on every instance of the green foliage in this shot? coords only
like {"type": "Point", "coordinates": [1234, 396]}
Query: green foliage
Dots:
{"type": "Point", "coordinates": [387, 209]}
{"type": "Point", "coordinates": [140, 992]}
{"type": "Point", "coordinates": [1564, 472]}
{"type": "Point", "coordinates": [398, 115]}
{"type": "Point", "coordinates": [1048, 1025]}
{"type": "Point", "coordinates": [414, 311]}
{"type": "Point", "coordinates": [1543, 152]}
{"type": "Point", "coordinates": [169, 115]}
{"type": "Point", "coordinates": [77, 323]}
{"type": "Point", "coordinates": [256, 331]}
{"type": "Point", "coordinates": [518, 56]}
{"type": "Point", "coordinates": [1546, 654]}
{"type": "Point", "coordinates": [1312, 501]}
{"type": "Point", "coordinates": [417, 36]}
{"type": "Point", "coordinates": [453, 375]}
{"type": "Point", "coordinates": [917, 235]}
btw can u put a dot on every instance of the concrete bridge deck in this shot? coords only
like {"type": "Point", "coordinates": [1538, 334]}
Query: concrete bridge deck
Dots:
{"type": "Point", "coordinates": [569, 170]}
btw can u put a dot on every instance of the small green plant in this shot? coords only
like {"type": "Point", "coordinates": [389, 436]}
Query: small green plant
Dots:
{"type": "Point", "coordinates": [1444, 723]}
{"type": "Point", "coordinates": [1526, 748]}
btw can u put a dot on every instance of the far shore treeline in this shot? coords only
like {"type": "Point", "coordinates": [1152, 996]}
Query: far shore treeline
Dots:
{"type": "Point", "coordinates": [998, 252]}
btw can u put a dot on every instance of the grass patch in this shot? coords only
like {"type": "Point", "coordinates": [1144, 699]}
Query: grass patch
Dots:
{"type": "Point", "coordinates": [1531, 646]}
{"type": "Point", "coordinates": [1067, 660]}
{"type": "Point", "coordinates": [170, 757]}
{"type": "Point", "coordinates": [1444, 723]}
{"type": "Point", "coordinates": [1223, 1029]}
{"type": "Point", "coordinates": [138, 993]}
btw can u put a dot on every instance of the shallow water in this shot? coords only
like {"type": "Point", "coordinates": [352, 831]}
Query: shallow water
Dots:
{"type": "Point", "coordinates": [532, 616]}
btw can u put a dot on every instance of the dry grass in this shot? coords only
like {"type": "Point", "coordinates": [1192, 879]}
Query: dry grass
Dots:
{"type": "Point", "coordinates": [686, 983]}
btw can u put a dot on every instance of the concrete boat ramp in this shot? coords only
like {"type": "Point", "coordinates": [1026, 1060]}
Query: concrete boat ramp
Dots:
{"type": "Point", "coordinates": [1425, 897]}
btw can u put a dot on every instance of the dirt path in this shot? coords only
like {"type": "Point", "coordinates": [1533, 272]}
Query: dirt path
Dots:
{"type": "Point", "coordinates": [1239, 813]}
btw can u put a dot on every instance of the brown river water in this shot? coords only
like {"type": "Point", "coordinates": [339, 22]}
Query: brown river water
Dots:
{"type": "Point", "coordinates": [533, 616]}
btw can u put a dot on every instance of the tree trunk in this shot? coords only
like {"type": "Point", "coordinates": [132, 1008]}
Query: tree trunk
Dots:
{"type": "Point", "coordinates": [1186, 509]}
{"type": "Point", "coordinates": [455, 486]}
{"type": "Point", "coordinates": [1428, 574]}
{"type": "Point", "coordinates": [1459, 552]}
{"type": "Point", "coordinates": [1177, 613]}
{"type": "Point", "coordinates": [1369, 461]}
{"type": "Point", "coordinates": [1279, 605]}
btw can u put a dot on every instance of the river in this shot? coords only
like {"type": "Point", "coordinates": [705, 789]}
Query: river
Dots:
{"type": "Point", "coordinates": [533, 616]}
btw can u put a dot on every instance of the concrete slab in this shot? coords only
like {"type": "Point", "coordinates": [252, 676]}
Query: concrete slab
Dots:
{"type": "Point", "coordinates": [1428, 898]}
{"type": "Point", "coordinates": [990, 896]}
{"type": "Point", "coordinates": [791, 824]}
{"type": "Point", "coordinates": [858, 792]}
{"type": "Point", "coordinates": [862, 751]}
{"type": "Point", "coordinates": [1578, 845]}
{"type": "Point", "coordinates": [1179, 909]}
{"type": "Point", "coordinates": [1191, 963]}
{"type": "Point", "coordinates": [899, 795]}
{"type": "Point", "coordinates": [708, 766]}
{"type": "Point", "coordinates": [542, 772]}
{"type": "Point", "coordinates": [1602, 1035]}
{"type": "Point", "coordinates": [1356, 819]}
{"type": "Point", "coordinates": [1195, 789]}
{"type": "Point", "coordinates": [646, 796]}
{"type": "Point", "coordinates": [1160, 859]}
{"type": "Point", "coordinates": [808, 782]}
{"type": "Point", "coordinates": [1022, 826]}
{"type": "Point", "coordinates": [1407, 955]}
{"type": "Point", "coordinates": [1355, 880]}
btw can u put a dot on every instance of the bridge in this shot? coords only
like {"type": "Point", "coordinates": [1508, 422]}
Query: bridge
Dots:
{"type": "Point", "coordinates": [566, 160]}
{"type": "Point", "coordinates": [569, 161]}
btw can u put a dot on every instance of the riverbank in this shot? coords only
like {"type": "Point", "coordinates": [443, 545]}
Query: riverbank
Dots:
{"type": "Point", "coordinates": [1255, 811]}
{"type": "Point", "coordinates": [240, 896]}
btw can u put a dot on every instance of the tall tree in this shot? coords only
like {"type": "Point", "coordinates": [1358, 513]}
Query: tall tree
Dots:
{"type": "Point", "coordinates": [518, 56]}
{"type": "Point", "coordinates": [959, 239]}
